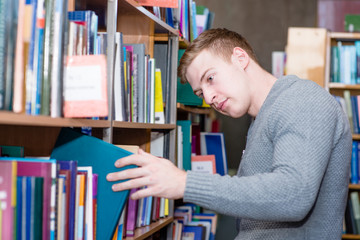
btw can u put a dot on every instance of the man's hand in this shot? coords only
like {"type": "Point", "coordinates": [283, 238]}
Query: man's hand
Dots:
{"type": "Point", "coordinates": [162, 177]}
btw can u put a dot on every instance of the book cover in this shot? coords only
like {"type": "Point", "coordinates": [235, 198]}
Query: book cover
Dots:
{"type": "Point", "coordinates": [185, 94]}
{"type": "Point", "coordinates": [186, 132]}
{"type": "Point", "coordinates": [203, 163]}
{"type": "Point", "coordinates": [159, 3]}
{"type": "Point", "coordinates": [39, 168]}
{"type": "Point", "coordinates": [88, 203]}
{"type": "Point", "coordinates": [85, 87]}
{"type": "Point", "coordinates": [38, 207]}
{"type": "Point", "coordinates": [12, 151]}
{"type": "Point", "coordinates": [7, 186]}
{"type": "Point", "coordinates": [66, 175]}
{"type": "Point", "coordinates": [72, 167]}
{"type": "Point", "coordinates": [159, 102]}
{"type": "Point", "coordinates": [214, 144]}
{"type": "Point", "coordinates": [131, 215]}
{"type": "Point", "coordinates": [139, 49]}
{"type": "Point", "coordinates": [90, 151]}
{"type": "Point", "coordinates": [193, 232]}
{"type": "Point", "coordinates": [119, 84]}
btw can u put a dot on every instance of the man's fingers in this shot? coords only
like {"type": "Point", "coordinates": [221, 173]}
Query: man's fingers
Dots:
{"type": "Point", "coordinates": [127, 185]}
{"type": "Point", "coordinates": [134, 159]}
{"type": "Point", "coordinates": [125, 174]}
{"type": "Point", "coordinates": [141, 193]}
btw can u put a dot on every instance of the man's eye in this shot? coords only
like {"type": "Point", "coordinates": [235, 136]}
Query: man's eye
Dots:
{"type": "Point", "coordinates": [210, 78]}
{"type": "Point", "coordinates": [201, 95]}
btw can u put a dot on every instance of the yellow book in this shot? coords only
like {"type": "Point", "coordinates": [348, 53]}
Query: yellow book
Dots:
{"type": "Point", "coordinates": [159, 103]}
{"type": "Point", "coordinates": [166, 209]}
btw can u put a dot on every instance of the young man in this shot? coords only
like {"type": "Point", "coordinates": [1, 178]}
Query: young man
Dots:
{"type": "Point", "coordinates": [293, 178]}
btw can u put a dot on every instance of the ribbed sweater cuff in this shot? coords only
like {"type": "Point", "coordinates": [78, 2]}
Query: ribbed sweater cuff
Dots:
{"type": "Point", "coordinates": [199, 189]}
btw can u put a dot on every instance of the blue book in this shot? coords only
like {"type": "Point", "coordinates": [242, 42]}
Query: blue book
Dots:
{"type": "Point", "coordinates": [19, 210]}
{"type": "Point", "coordinates": [197, 231]}
{"type": "Point", "coordinates": [354, 108]}
{"type": "Point", "coordinates": [72, 166]}
{"type": "Point", "coordinates": [354, 163]}
{"type": "Point", "coordinates": [91, 151]}
{"type": "Point", "coordinates": [214, 144]}
{"type": "Point", "coordinates": [29, 205]}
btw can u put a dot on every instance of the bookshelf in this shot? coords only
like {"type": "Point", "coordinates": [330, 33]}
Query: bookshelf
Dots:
{"type": "Point", "coordinates": [337, 89]}
{"type": "Point", "coordinates": [38, 133]}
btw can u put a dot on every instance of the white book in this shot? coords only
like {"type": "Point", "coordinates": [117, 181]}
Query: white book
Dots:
{"type": "Point", "coordinates": [88, 202]}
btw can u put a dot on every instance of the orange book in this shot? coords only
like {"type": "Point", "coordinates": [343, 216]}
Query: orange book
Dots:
{"type": "Point", "coordinates": [203, 163]}
{"type": "Point", "coordinates": [85, 86]}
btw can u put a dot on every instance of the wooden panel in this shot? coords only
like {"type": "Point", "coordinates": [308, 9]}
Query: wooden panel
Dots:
{"type": "Point", "coordinates": [306, 53]}
{"type": "Point", "coordinates": [140, 137]}
{"type": "Point", "coordinates": [37, 141]}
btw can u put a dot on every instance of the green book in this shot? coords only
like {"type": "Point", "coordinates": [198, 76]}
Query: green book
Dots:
{"type": "Point", "coordinates": [12, 151]}
{"type": "Point", "coordinates": [185, 94]}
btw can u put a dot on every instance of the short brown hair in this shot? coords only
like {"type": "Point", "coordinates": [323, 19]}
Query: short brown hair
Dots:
{"type": "Point", "coordinates": [219, 41]}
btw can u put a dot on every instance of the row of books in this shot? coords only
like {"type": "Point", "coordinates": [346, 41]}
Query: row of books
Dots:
{"type": "Point", "coordinates": [90, 160]}
{"type": "Point", "coordinates": [344, 63]}
{"type": "Point", "coordinates": [138, 85]}
{"type": "Point", "coordinates": [350, 105]}
{"type": "Point", "coordinates": [38, 38]}
{"type": "Point", "coordinates": [139, 213]}
{"type": "Point", "coordinates": [47, 199]}
{"type": "Point", "coordinates": [200, 150]}
{"type": "Point", "coordinates": [193, 223]}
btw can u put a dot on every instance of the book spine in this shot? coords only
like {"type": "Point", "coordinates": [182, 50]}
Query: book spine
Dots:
{"type": "Point", "coordinates": [48, 46]}
{"type": "Point", "coordinates": [2, 51]}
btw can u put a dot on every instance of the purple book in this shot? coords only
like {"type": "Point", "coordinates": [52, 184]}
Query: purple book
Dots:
{"type": "Point", "coordinates": [72, 166]}
{"type": "Point", "coordinates": [131, 215]}
{"type": "Point", "coordinates": [45, 169]}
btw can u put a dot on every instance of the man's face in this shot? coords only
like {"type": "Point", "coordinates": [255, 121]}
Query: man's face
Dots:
{"type": "Point", "coordinates": [223, 85]}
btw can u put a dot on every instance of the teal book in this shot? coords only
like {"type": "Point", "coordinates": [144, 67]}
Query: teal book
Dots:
{"type": "Point", "coordinates": [91, 151]}
{"type": "Point", "coordinates": [186, 129]}
{"type": "Point", "coordinates": [185, 94]}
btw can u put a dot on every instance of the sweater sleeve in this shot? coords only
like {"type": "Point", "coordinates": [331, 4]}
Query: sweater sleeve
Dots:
{"type": "Point", "coordinates": [299, 145]}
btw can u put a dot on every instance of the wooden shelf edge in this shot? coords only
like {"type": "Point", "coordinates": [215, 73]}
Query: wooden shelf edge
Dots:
{"type": "Point", "coordinates": [344, 35]}
{"type": "Point", "coordinates": [356, 136]}
{"type": "Point", "coordinates": [350, 236]}
{"type": "Point", "coordinates": [144, 232]}
{"type": "Point", "coordinates": [134, 125]}
{"type": "Point", "coordinates": [197, 110]}
{"type": "Point", "coordinates": [344, 86]}
{"type": "Point", "coordinates": [354, 186]}
{"type": "Point", "coordinates": [11, 118]}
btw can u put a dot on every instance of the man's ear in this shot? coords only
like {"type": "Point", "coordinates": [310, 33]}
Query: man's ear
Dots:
{"type": "Point", "coordinates": [241, 57]}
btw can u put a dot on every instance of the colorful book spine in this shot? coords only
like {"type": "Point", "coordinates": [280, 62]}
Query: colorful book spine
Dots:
{"type": "Point", "coordinates": [7, 188]}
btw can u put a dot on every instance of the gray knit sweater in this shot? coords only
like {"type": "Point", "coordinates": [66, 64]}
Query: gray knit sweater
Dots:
{"type": "Point", "coordinates": [293, 178]}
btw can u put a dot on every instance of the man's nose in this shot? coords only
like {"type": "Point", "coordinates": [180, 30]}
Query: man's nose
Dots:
{"type": "Point", "coordinates": [209, 96]}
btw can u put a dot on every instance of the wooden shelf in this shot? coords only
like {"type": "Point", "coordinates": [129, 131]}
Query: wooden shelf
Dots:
{"type": "Point", "coordinates": [144, 232]}
{"type": "Point", "coordinates": [354, 186]}
{"type": "Point", "coordinates": [10, 118]}
{"type": "Point", "coordinates": [356, 136]}
{"type": "Point", "coordinates": [161, 37]}
{"type": "Point", "coordinates": [350, 236]}
{"type": "Point", "coordinates": [117, 124]}
{"type": "Point", "coordinates": [344, 36]}
{"type": "Point", "coordinates": [342, 86]}
{"type": "Point", "coordinates": [196, 110]}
